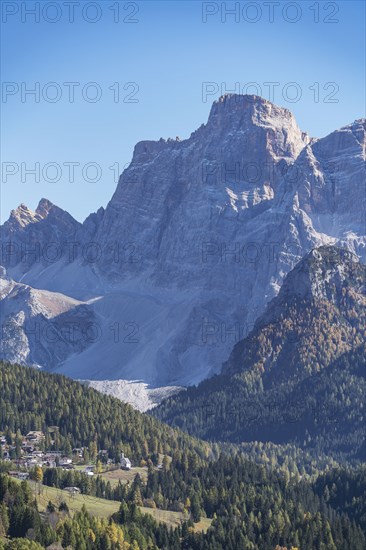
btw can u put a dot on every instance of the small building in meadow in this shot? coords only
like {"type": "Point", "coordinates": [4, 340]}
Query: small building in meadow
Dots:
{"type": "Point", "coordinates": [125, 462]}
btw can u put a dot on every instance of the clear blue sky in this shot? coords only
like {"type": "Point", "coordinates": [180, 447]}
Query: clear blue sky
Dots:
{"type": "Point", "coordinates": [168, 52]}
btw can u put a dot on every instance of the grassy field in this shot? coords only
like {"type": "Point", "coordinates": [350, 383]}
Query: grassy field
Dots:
{"type": "Point", "coordinates": [172, 519]}
{"type": "Point", "coordinates": [104, 508]}
{"type": "Point", "coordinates": [202, 525]}
{"type": "Point", "coordinates": [114, 476]}
{"type": "Point", "coordinates": [96, 506]}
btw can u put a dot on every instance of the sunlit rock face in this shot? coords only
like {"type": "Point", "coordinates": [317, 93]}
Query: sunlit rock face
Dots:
{"type": "Point", "coordinates": [196, 239]}
{"type": "Point", "coordinates": [332, 185]}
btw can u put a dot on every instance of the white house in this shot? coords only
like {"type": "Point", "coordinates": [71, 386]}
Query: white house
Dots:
{"type": "Point", "coordinates": [125, 462]}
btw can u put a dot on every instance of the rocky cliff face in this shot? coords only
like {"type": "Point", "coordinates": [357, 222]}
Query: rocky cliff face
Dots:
{"type": "Point", "coordinates": [198, 237]}
{"type": "Point", "coordinates": [331, 188]}
{"type": "Point", "coordinates": [177, 196]}
{"type": "Point", "coordinates": [34, 238]}
{"type": "Point", "coordinates": [42, 328]}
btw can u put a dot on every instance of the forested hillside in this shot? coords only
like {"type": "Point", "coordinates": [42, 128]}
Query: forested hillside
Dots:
{"type": "Point", "coordinates": [299, 377]}
{"type": "Point", "coordinates": [249, 509]}
{"type": "Point", "coordinates": [34, 400]}
{"type": "Point", "coordinates": [247, 505]}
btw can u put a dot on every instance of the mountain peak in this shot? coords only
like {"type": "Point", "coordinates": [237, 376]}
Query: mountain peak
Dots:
{"type": "Point", "coordinates": [258, 121]}
{"type": "Point", "coordinates": [350, 134]}
{"type": "Point", "coordinates": [251, 98]}
{"type": "Point", "coordinates": [237, 115]}
{"type": "Point", "coordinates": [22, 215]}
{"type": "Point", "coordinates": [321, 274]}
{"type": "Point", "coordinates": [44, 207]}
{"type": "Point", "coordinates": [253, 104]}
{"type": "Point", "coordinates": [22, 208]}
